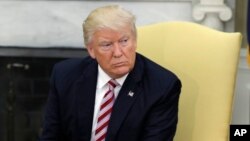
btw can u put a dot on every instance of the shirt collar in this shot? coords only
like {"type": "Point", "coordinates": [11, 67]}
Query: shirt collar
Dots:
{"type": "Point", "coordinates": [103, 78]}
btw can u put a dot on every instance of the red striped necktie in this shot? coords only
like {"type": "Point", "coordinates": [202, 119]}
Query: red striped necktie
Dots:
{"type": "Point", "coordinates": [105, 112]}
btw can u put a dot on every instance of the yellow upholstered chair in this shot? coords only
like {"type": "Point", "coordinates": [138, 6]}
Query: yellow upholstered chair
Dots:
{"type": "Point", "coordinates": [206, 62]}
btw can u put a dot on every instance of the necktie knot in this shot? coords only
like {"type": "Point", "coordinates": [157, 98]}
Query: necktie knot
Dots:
{"type": "Point", "coordinates": [112, 84]}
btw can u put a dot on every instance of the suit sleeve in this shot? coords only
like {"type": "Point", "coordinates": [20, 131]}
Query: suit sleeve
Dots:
{"type": "Point", "coordinates": [162, 120]}
{"type": "Point", "coordinates": [51, 122]}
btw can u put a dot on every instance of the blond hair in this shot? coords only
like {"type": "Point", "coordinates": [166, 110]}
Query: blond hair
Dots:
{"type": "Point", "coordinates": [112, 17]}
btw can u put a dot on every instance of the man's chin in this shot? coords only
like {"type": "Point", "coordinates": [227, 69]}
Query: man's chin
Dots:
{"type": "Point", "coordinates": [121, 72]}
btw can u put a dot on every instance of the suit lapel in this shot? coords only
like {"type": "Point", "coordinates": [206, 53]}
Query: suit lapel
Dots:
{"type": "Point", "coordinates": [125, 100]}
{"type": "Point", "coordinates": [85, 88]}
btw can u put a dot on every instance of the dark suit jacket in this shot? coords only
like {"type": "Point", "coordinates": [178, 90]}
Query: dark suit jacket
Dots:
{"type": "Point", "coordinates": [151, 114]}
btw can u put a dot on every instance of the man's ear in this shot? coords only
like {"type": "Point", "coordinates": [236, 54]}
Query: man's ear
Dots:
{"type": "Point", "coordinates": [91, 51]}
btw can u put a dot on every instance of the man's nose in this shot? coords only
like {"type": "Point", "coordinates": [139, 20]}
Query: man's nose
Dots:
{"type": "Point", "coordinates": [117, 52]}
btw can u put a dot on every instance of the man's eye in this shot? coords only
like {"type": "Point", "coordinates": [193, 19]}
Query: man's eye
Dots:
{"type": "Point", "coordinates": [106, 45]}
{"type": "Point", "coordinates": [124, 42]}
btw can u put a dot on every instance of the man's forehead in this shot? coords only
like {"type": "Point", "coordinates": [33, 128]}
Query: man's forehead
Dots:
{"type": "Point", "coordinates": [112, 35]}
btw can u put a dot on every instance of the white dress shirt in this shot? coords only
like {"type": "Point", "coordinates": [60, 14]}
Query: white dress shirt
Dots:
{"type": "Point", "coordinates": [101, 89]}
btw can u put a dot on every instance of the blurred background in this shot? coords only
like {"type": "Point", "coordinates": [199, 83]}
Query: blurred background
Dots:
{"type": "Point", "coordinates": [35, 34]}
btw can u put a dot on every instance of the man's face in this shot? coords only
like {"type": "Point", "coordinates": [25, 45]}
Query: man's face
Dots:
{"type": "Point", "coordinates": [114, 50]}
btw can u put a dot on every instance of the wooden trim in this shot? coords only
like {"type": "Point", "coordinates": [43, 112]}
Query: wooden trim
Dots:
{"type": "Point", "coordinates": [241, 19]}
{"type": "Point", "coordinates": [58, 52]}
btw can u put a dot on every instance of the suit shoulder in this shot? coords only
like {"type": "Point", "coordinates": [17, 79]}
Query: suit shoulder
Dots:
{"type": "Point", "coordinates": [159, 80]}
{"type": "Point", "coordinates": [157, 71]}
{"type": "Point", "coordinates": [71, 67]}
{"type": "Point", "coordinates": [72, 63]}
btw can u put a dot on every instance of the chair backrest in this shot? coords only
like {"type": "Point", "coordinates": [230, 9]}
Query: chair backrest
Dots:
{"type": "Point", "coordinates": [206, 62]}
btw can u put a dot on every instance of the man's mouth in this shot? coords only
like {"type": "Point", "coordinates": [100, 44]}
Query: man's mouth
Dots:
{"type": "Point", "coordinates": [119, 64]}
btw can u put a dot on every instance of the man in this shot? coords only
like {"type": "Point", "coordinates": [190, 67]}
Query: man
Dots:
{"type": "Point", "coordinates": [115, 94]}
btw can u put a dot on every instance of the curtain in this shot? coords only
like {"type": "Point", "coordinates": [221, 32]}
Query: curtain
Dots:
{"type": "Point", "coordinates": [248, 33]}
